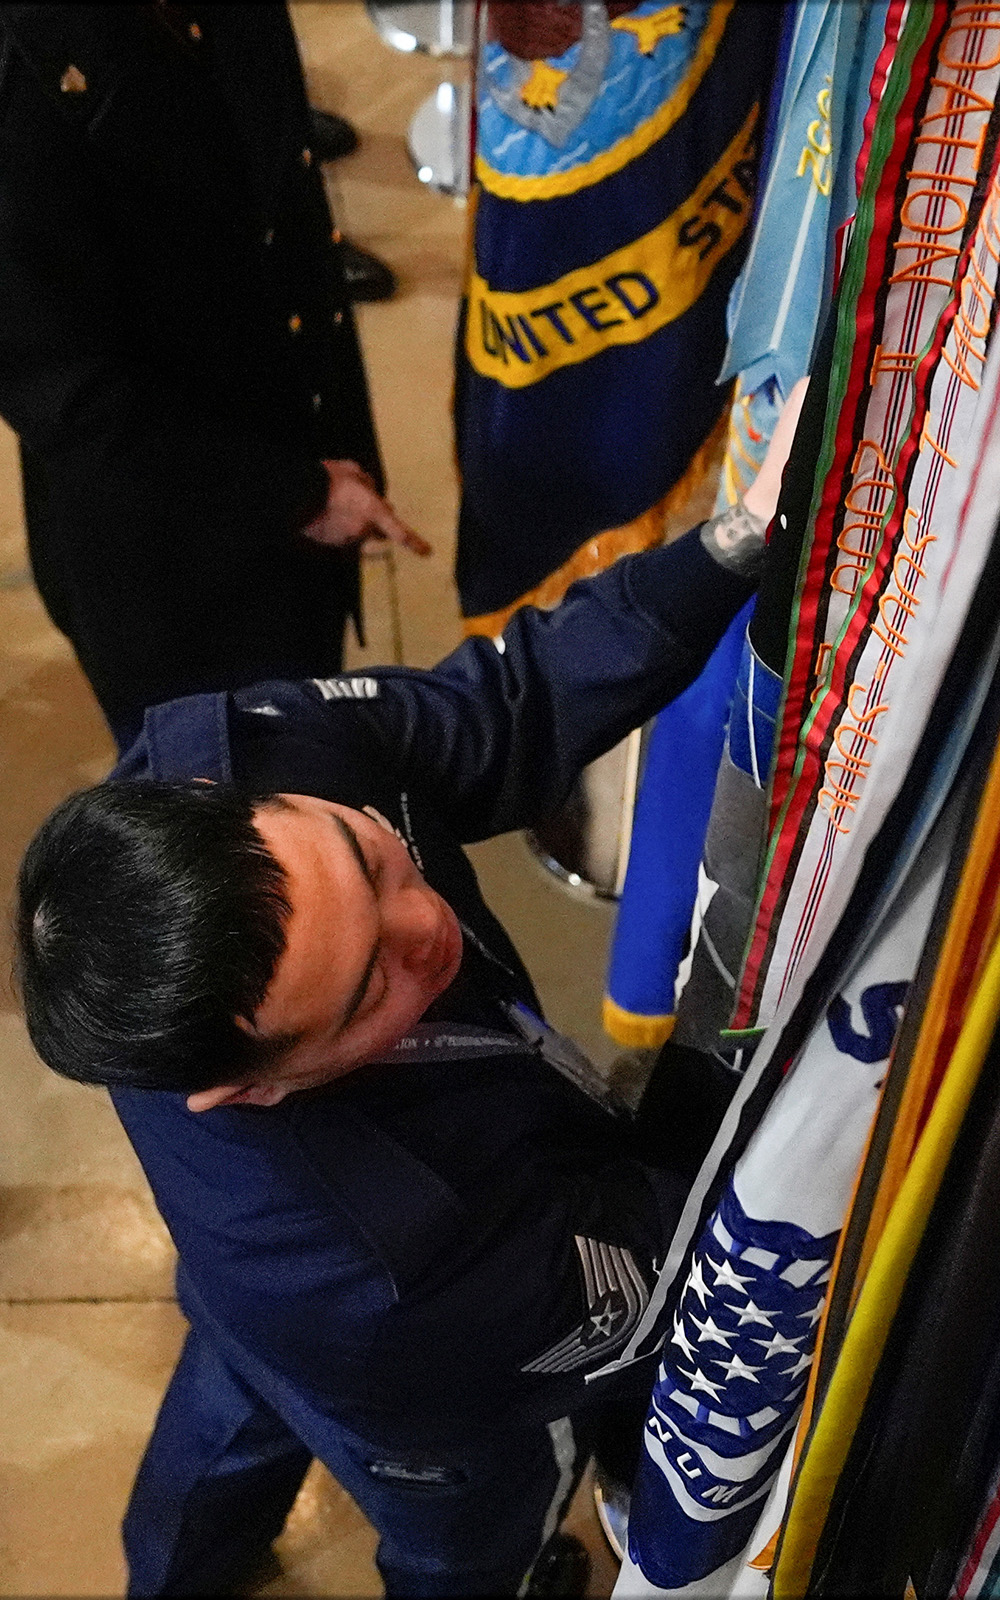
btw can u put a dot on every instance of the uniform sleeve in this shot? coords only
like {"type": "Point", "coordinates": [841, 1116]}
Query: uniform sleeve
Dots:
{"type": "Point", "coordinates": [497, 733]}
{"type": "Point", "coordinates": [120, 445]}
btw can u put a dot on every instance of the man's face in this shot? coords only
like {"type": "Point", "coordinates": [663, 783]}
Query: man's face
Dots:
{"type": "Point", "coordinates": [368, 946]}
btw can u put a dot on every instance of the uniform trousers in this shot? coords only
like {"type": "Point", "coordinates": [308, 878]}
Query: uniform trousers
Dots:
{"type": "Point", "coordinates": [224, 1465]}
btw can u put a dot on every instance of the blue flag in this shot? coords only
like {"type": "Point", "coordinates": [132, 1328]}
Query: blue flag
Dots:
{"type": "Point", "coordinates": [616, 161]}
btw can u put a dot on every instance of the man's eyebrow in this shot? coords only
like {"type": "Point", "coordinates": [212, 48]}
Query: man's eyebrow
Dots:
{"type": "Point", "coordinates": [359, 993]}
{"type": "Point", "coordinates": [351, 839]}
{"type": "Point", "coordinates": [354, 1002]}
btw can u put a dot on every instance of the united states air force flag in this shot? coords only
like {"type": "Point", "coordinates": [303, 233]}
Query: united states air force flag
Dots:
{"type": "Point", "coordinates": [617, 148]}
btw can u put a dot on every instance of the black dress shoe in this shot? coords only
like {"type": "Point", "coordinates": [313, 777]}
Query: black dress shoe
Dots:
{"type": "Point", "coordinates": [332, 136]}
{"type": "Point", "coordinates": [366, 277]}
{"type": "Point", "coordinates": [561, 1570]}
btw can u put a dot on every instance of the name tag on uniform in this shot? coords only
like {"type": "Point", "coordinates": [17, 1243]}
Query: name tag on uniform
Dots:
{"type": "Point", "coordinates": [464, 1042]}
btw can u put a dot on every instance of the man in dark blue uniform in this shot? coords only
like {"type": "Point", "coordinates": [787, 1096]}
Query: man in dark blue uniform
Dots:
{"type": "Point", "coordinates": [410, 1226]}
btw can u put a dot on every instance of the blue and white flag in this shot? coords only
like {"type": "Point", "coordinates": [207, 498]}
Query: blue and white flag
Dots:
{"type": "Point", "coordinates": [729, 1389]}
{"type": "Point", "coordinates": [753, 1278]}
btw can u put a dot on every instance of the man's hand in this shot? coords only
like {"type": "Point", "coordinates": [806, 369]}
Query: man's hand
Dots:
{"type": "Point", "coordinates": [761, 498]}
{"type": "Point", "coordinates": [355, 511]}
{"type": "Point", "coordinates": [735, 538]}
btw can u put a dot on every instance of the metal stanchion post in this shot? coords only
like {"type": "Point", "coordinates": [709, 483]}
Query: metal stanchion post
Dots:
{"type": "Point", "coordinates": [438, 137]}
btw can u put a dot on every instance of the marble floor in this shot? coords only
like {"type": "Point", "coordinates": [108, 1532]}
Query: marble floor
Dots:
{"type": "Point", "coordinates": [89, 1328]}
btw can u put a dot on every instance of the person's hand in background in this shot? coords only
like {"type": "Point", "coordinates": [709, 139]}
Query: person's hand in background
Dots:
{"type": "Point", "coordinates": [355, 511]}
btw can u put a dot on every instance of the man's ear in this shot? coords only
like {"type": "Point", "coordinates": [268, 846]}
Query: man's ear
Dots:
{"type": "Point", "coordinates": [237, 1094]}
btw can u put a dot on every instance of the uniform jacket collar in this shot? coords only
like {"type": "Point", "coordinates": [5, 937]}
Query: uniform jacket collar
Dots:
{"type": "Point", "coordinates": [182, 739]}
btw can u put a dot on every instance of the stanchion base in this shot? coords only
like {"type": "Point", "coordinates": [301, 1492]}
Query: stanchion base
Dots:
{"type": "Point", "coordinates": [438, 139]}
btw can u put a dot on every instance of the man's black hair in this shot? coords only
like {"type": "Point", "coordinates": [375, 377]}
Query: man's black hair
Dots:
{"type": "Point", "coordinates": [150, 917]}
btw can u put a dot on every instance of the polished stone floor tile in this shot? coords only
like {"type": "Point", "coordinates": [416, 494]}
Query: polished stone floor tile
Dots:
{"type": "Point", "coordinates": [81, 1387]}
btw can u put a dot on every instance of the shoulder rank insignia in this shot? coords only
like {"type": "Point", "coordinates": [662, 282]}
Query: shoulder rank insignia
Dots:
{"type": "Point", "coordinates": [616, 1298]}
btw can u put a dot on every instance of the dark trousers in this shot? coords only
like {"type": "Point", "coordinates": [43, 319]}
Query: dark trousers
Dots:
{"type": "Point", "coordinates": [223, 1468]}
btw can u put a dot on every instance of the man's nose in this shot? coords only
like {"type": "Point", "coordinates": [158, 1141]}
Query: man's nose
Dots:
{"type": "Point", "coordinates": [418, 925]}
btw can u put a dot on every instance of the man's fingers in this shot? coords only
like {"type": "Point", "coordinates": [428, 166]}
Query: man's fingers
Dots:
{"type": "Point", "coordinates": [761, 498]}
{"type": "Point", "coordinates": [386, 525]}
{"type": "Point", "coordinates": [339, 471]}
{"type": "Point", "coordinates": [355, 511]}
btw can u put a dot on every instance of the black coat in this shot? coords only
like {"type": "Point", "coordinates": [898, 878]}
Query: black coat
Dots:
{"type": "Point", "coordinates": [176, 352]}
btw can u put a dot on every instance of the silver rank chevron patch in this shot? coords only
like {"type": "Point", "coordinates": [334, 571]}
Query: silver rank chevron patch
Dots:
{"type": "Point", "coordinates": [616, 1298]}
{"type": "Point", "coordinates": [347, 688]}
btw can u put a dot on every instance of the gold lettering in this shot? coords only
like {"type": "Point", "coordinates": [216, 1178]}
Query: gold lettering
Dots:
{"type": "Point", "coordinates": [872, 487]}
{"type": "Point", "coordinates": [892, 361]}
{"type": "Point", "coordinates": [975, 32]}
{"type": "Point", "coordinates": [932, 253]}
{"type": "Point", "coordinates": [934, 196]}
{"type": "Point", "coordinates": [840, 799]}
{"type": "Point", "coordinates": [925, 438]}
{"type": "Point", "coordinates": [851, 588]}
{"type": "Point", "coordinates": [869, 527]}
{"type": "Point", "coordinates": [951, 107]}
{"type": "Point", "coordinates": [881, 464]}
{"type": "Point", "coordinates": [818, 146]}
{"type": "Point", "coordinates": [894, 637]}
{"type": "Point", "coordinates": [914, 573]}
{"type": "Point", "coordinates": [867, 518]}
{"type": "Point", "coordinates": [953, 142]}
{"type": "Point", "coordinates": [861, 717]}
{"type": "Point", "coordinates": [943, 177]}
{"type": "Point", "coordinates": [982, 293]}
{"type": "Point", "coordinates": [958, 363]}
{"type": "Point", "coordinates": [852, 762]}
{"type": "Point", "coordinates": [988, 230]}
{"type": "Point", "coordinates": [821, 174]}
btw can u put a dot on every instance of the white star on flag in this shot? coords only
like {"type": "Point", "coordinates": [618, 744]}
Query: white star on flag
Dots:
{"type": "Point", "coordinates": [735, 1368]}
{"type": "Point", "coordinates": [680, 1338]}
{"type": "Point", "coordinates": [813, 1316]}
{"type": "Point", "coordinates": [709, 1330]}
{"type": "Point", "coordinates": [752, 1313]}
{"type": "Point", "coordinates": [725, 1275]}
{"type": "Point", "coordinates": [698, 1380]}
{"type": "Point", "coordinates": [696, 1281]}
{"type": "Point", "coordinates": [802, 1365]}
{"type": "Point", "coordinates": [778, 1344]}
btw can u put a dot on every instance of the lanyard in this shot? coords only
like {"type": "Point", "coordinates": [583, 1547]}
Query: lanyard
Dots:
{"type": "Point", "coordinates": [527, 1034]}
{"type": "Point", "coordinates": [463, 1041]}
